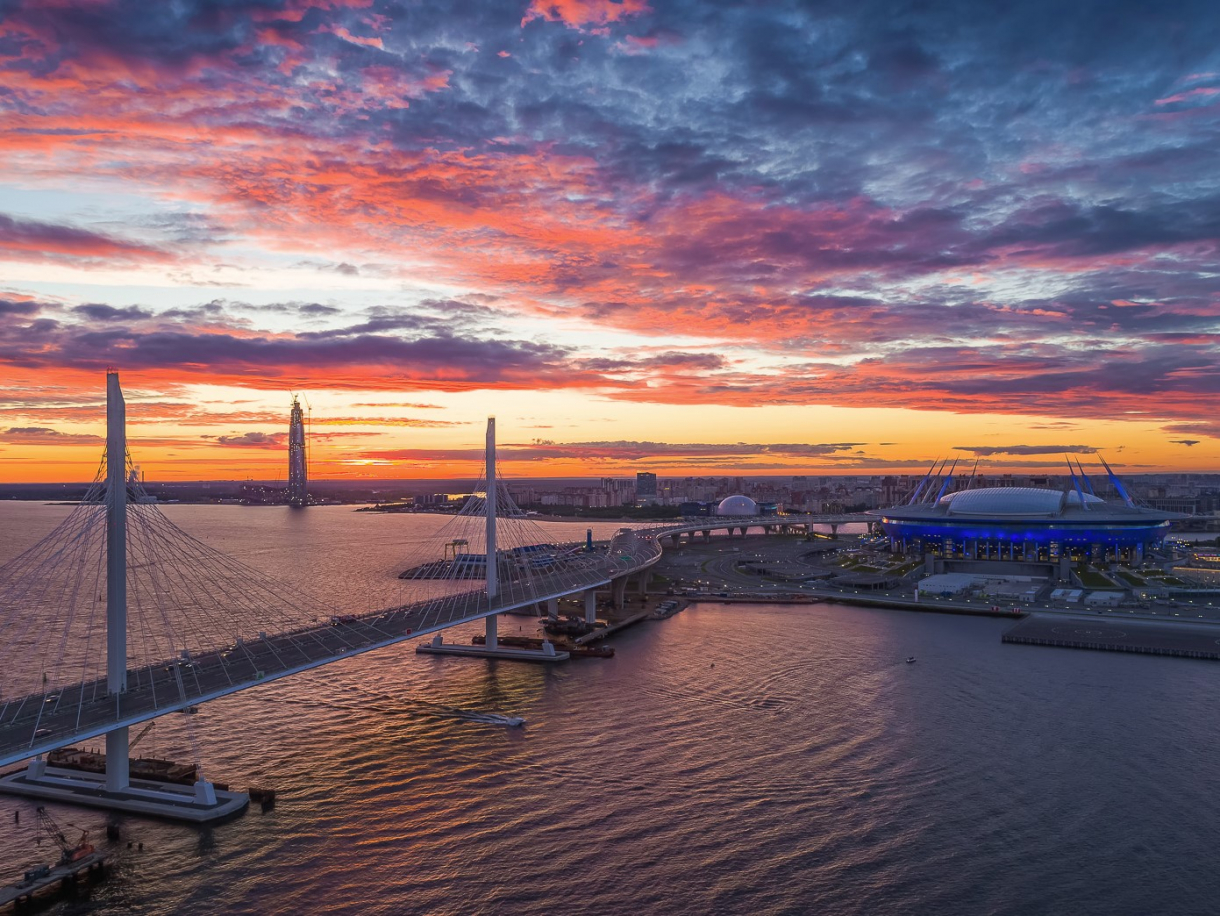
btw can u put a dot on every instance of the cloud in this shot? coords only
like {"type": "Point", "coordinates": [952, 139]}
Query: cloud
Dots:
{"type": "Point", "coordinates": [770, 204]}
{"type": "Point", "coordinates": [1186, 442]}
{"type": "Point", "coordinates": [987, 450]}
{"type": "Point", "coordinates": [580, 14]}
{"type": "Point", "coordinates": [625, 451]}
{"type": "Point", "coordinates": [42, 436]}
{"type": "Point", "coordinates": [254, 440]}
{"type": "Point", "coordinates": [24, 239]}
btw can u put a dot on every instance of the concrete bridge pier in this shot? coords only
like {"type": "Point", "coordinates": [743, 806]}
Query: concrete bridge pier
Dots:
{"type": "Point", "coordinates": [618, 592]}
{"type": "Point", "coordinates": [552, 608]}
{"type": "Point", "coordinates": [641, 582]}
{"type": "Point", "coordinates": [493, 631]}
{"type": "Point", "coordinates": [118, 762]}
{"type": "Point", "coordinates": [590, 605]}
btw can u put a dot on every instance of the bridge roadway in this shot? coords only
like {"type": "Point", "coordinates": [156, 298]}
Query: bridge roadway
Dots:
{"type": "Point", "coordinates": [40, 722]}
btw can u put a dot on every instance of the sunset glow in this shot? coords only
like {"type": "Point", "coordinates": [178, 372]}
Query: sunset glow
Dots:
{"type": "Point", "coordinates": [647, 236]}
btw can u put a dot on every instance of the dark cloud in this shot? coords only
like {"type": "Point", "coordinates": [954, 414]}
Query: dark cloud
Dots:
{"type": "Point", "coordinates": [987, 450]}
{"type": "Point", "coordinates": [42, 435]}
{"type": "Point", "coordinates": [102, 312]}
{"type": "Point", "coordinates": [36, 240]}
{"type": "Point", "coordinates": [254, 440]}
{"type": "Point", "coordinates": [632, 451]}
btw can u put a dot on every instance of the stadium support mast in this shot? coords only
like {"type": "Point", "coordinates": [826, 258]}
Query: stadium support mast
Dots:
{"type": "Point", "coordinates": [298, 472]}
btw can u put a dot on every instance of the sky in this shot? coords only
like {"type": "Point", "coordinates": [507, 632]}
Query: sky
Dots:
{"type": "Point", "coordinates": [683, 237]}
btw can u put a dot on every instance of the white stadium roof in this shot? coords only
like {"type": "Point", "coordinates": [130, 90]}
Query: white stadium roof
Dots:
{"type": "Point", "coordinates": [997, 502]}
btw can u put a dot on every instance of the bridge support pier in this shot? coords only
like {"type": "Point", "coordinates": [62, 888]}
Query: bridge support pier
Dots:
{"type": "Point", "coordinates": [552, 608]}
{"type": "Point", "coordinates": [117, 761]}
{"type": "Point", "coordinates": [641, 582]}
{"type": "Point", "coordinates": [493, 632]}
{"type": "Point", "coordinates": [618, 592]}
{"type": "Point", "coordinates": [590, 605]}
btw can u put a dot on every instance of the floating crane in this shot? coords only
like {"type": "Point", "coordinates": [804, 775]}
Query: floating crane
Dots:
{"type": "Point", "coordinates": [68, 852]}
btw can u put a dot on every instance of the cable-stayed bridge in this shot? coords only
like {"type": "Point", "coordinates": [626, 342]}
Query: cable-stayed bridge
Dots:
{"type": "Point", "coordinates": [119, 616]}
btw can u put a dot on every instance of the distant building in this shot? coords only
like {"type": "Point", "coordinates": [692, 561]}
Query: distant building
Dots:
{"type": "Point", "coordinates": [645, 486]}
{"type": "Point", "coordinates": [298, 465]}
{"type": "Point", "coordinates": [737, 505]}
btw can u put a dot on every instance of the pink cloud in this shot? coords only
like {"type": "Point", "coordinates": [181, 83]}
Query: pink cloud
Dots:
{"type": "Point", "coordinates": [581, 14]}
{"type": "Point", "coordinates": [1189, 94]}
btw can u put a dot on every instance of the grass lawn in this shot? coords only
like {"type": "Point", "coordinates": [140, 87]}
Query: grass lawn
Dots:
{"type": "Point", "coordinates": [1091, 578]}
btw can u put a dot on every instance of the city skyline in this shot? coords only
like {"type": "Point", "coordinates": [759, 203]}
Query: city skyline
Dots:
{"type": "Point", "coordinates": [677, 238]}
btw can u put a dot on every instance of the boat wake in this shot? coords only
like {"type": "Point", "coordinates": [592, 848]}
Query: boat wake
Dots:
{"type": "Point", "coordinates": [484, 718]}
{"type": "Point", "coordinates": [492, 718]}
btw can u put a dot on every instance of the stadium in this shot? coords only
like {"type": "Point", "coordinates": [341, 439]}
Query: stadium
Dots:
{"type": "Point", "coordinates": [1024, 524]}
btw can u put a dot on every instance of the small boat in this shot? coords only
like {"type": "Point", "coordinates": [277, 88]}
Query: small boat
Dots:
{"type": "Point", "coordinates": [262, 795]}
{"type": "Point", "coordinates": [910, 659]}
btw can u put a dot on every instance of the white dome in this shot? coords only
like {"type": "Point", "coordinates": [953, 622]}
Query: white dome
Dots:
{"type": "Point", "coordinates": [1012, 501]}
{"type": "Point", "coordinates": [737, 505]}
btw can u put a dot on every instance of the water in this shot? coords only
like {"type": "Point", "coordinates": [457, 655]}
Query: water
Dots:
{"type": "Point", "coordinates": [764, 759]}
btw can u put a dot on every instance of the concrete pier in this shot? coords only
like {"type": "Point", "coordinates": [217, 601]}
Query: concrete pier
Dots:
{"type": "Point", "coordinates": [1146, 637]}
{"type": "Point", "coordinates": [603, 632]}
{"type": "Point", "coordinates": [201, 803]}
{"type": "Point", "coordinates": [438, 646]}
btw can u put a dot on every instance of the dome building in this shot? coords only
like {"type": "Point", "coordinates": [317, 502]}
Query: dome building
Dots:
{"type": "Point", "coordinates": [1027, 524]}
{"type": "Point", "coordinates": [737, 505]}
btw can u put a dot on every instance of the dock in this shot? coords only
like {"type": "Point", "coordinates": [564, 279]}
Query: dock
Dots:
{"type": "Point", "coordinates": [535, 642]}
{"type": "Point", "coordinates": [1146, 637]}
{"type": "Point", "coordinates": [547, 653]}
{"type": "Point", "coordinates": [59, 879]}
{"type": "Point", "coordinates": [603, 632]}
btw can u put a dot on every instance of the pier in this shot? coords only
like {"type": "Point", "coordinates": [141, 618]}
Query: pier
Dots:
{"type": "Point", "coordinates": [198, 803]}
{"type": "Point", "coordinates": [1146, 637]}
{"type": "Point", "coordinates": [546, 653]}
{"type": "Point", "coordinates": [58, 880]}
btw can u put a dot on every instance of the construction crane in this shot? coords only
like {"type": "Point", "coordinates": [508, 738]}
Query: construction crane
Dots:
{"type": "Point", "coordinates": [136, 740]}
{"type": "Point", "coordinates": [68, 852]}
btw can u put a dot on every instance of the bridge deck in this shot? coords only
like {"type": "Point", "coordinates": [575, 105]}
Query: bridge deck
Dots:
{"type": "Point", "coordinates": [40, 722]}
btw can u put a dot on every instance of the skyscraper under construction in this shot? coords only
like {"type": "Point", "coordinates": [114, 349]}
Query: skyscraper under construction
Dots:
{"type": "Point", "coordinates": [298, 469]}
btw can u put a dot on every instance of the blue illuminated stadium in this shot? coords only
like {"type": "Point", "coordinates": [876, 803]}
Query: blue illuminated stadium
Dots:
{"type": "Point", "coordinates": [1023, 523]}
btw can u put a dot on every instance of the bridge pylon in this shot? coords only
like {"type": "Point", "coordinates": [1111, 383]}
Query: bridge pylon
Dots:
{"type": "Point", "coordinates": [493, 584]}
{"type": "Point", "coordinates": [117, 747]}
